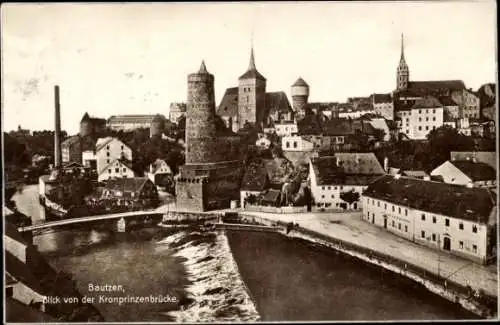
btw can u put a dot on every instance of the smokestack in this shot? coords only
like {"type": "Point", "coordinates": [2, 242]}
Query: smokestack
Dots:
{"type": "Point", "coordinates": [57, 131]}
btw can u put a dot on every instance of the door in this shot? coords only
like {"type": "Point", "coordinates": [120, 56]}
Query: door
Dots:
{"type": "Point", "coordinates": [446, 243]}
{"type": "Point", "coordinates": [385, 222]}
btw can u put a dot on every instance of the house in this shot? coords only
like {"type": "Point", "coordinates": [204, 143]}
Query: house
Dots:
{"type": "Point", "coordinates": [158, 170]}
{"type": "Point", "coordinates": [448, 217]}
{"type": "Point", "coordinates": [89, 159]}
{"type": "Point", "coordinates": [383, 105]}
{"type": "Point", "coordinates": [381, 124]}
{"type": "Point", "coordinates": [285, 128]}
{"type": "Point", "coordinates": [254, 182]}
{"type": "Point", "coordinates": [134, 192]}
{"type": "Point", "coordinates": [423, 116]}
{"type": "Point", "coordinates": [467, 172]}
{"type": "Point", "coordinates": [342, 176]}
{"type": "Point", "coordinates": [73, 147]}
{"type": "Point", "coordinates": [487, 157]}
{"type": "Point", "coordinates": [176, 111]}
{"type": "Point", "coordinates": [271, 197]}
{"type": "Point", "coordinates": [117, 168]}
{"type": "Point", "coordinates": [108, 150]}
{"type": "Point", "coordinates": [468, 103]}
{"type": "Point", "coordinates": [297, 143]}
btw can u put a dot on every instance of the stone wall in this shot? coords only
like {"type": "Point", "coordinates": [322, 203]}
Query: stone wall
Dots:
{"type": "Point", "coordinates": [189, 193]}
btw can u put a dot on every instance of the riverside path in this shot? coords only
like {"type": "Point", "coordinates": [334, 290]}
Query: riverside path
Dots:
{"type": "Point", "coordinates": [351, 228]}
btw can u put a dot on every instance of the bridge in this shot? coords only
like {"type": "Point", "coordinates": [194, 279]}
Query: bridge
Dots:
{"type": "Point", "coordinates": [56, 223]}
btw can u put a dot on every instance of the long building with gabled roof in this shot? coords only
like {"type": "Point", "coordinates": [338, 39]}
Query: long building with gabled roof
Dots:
{"type": "Point", "coordinates": [452, 218]}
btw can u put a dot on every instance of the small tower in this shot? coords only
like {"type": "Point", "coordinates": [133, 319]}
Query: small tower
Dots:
{"type": "Point", "coordinates": [300, 95]}
{"type": "Point", "coordinates": [57, 129]}
{"type": "Point", "coordinates": [157, 126]}
{"type": "Point", "coordinates": [403, 74]}
{"type": "Point", "coordinates": [86, 127]}
{"type": "Point", "coordinates": [251, 95]}
{"type": "Point", "coordinates": [200, 118]}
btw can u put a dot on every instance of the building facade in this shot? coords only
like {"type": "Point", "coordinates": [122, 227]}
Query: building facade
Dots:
{"type": "Point", "coordinates": [467, 173]}
{"type": "Point", "coordinates": [462, 221]}
{"type": "Point", "coordinates": [383, 105]}
{"type": "Point", "coordinates": [129, 122]}
{"type": "Point", "coordinates": [337, 182]}
{"type": "Point", "coordinates": [176, 111]}
{"type": "Point", "coordinates": [108, 150]}
{"type": "Point", "coordinates": [296, 143]}
{"type": "Point", "coordinates": [425, 115]}
{"type": "Point", "coordinates": [117, 168]}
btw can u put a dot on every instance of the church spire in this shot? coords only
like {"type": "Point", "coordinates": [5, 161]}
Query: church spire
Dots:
{"type": "Point", "coordinates": [402, 47]}
{"type": "Point", "coordinates": [251, 66]}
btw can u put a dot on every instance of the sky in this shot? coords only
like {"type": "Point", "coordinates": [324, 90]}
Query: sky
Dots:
{"type": "Point", "coordinates": [111, 59]}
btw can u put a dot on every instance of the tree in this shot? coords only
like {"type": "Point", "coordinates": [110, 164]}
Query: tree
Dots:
{"type": "Point", "coordinates": [379, 135]}
{"type": "Point", "coordinates": [350, 197]}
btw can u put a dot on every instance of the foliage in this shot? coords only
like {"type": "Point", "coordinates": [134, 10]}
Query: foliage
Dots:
{"type": "Point", "coordinates": [379, 134]}
{"type": "Point", "coordinates": [350, 197]}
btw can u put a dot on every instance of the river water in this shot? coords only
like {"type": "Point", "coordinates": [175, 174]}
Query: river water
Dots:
{"type": "Point", "coordinates": [200, 276]}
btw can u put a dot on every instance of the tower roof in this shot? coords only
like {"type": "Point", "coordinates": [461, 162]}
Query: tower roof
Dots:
{"type": "Point", "coordinates": [203, 68]}
{"type": "Point", "coordinates": [300, 82]}
{"type": "Point", "coordinates": [86, 117]}
{"type": "Point", "coordinates": [402, 61]}
{"type": "Point", "coordinates": [252, 72]}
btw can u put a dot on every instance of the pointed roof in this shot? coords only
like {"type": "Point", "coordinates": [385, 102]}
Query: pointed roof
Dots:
{"type": "Point", "coordinates": [402, 61]}
{"type": "Point", "coordinates": [203, 67]}
{"type": "Point", "coordinates": [86, 117]}
{"type": "Point", "coordinates": [252, 72]}
{"type": "Point", "coordinates": [300, 82]}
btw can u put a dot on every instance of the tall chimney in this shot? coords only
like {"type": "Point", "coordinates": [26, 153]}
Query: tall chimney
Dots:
{"type": "Point", "coordinates": [57, 131]}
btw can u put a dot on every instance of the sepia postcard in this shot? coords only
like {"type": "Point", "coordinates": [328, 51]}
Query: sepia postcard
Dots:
{"type": "Point", "coordinates": [208, 162]}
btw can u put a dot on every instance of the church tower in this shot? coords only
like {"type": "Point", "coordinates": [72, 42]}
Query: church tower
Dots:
{"type": "Point", "coordinates": [251, 95]}
{"type": "Point", "coordinates": [403, 75]}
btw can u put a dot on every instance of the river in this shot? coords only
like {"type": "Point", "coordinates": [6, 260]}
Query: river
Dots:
{"type": "Point", "coordinates": [288, 280]}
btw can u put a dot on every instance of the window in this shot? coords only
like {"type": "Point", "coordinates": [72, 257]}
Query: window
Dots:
{"type": "Point", "coordinates": [393, 223]}
{"type": "Point", "coordinates": [122, 147]}
{"type": "Point", "coordinates": [422, 234]}
{"type": "Point", "coordinates": [385, 206]}
{"type": "Point", "coordinates": [433, 237]}
{"type": "Point", "coordinates": [109, 171]}
{"type": "Point", "coordinates": [399, 210]}
{"type": "Point", "coordinates": [461, 244]}
{"type": "Point", "coordinates": [419, 111]}
{"type": "Point", "coordinates": [433, 219]}
{"type": "Point", "coordinates": [427, 128]}
{"type": "Point", "coordinates": [474, 228]}
{"type": "Point", "coordinates": [461, 226]}
{"type": "Point", "coordinates": [433, 111]}
{"type": "Point", "coordinates": [474, 248]}
{"type": "Point", "coordinates": [423, 217]}
{"type": "Point", "coordinates": [420, 128]}
{"type": "Point", "coordinates": [107, 154]}
{"type": "Point", "coordinates": [427, 119]}
{"type": "Point", "coordinates": [124, 170]}
{"type": "Point", "coordinates": [288, 144]}
{"type": "Point", "coordinates": [333, 196]}
{"type": "Point", "coordinates": [406, 212]}
{"type": "Point", "coordinates": [117, 170]}
{"type": "Point", "coordinates": [433, 118]}
{"type": "Point", "coordinates": [107, 147]}
{"type": "Point", "coordinates": [406, 228]}
{"type": "Point", "coordinates": [378, 204]}
{"type": "Point", "coordinates": [447, 222]}
{"type": "Point", "coordinates": [393, 209]}
{"type": "Point", "coordinates": [420, 119]}
{"type": "Point", "coordinates": [323, 188]}
{"type": "Point", "coordinates": [107, 161]}
{"type": "Point", "coordinates": [322, 196]}
{"type": "Point", "coordinates": [399, 226]}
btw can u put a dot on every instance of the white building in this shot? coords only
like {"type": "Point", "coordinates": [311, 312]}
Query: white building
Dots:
{"type": "Point", "coordinates": [467, 172]}
{"type": "Point", "coordinates": [117, 168]}
{"type": "Point", "coordinates": [89, 159]}
{"type": "Point", "coordinates": [158, 167]}
{"type": "Point", "coordinates": [109, 149]}
{"type": "Point", "coordinates": [424, 116]}
{"type": "Point", "coordinates": [333, 176]}
{"type": "Point", "coordinates": [285, 128]}
{"type": "Point", "coordinates": [447, 217]}
{"type": "Point", "coordinates": [355, 114]}
{"type": "Point", "coordinates": [176, 111]}
{"type": "Point", "coordinates": [383, 105]}
{"type": "Point", "coordinates": [130, 122]}
{"type": "Point", "coordinates": [296, 143]}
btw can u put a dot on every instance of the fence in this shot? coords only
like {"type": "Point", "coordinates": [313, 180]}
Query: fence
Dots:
{"type": "Point", "coordinates": [287, 209]}
{"type": "Point", "coordinates": [486, 300]}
